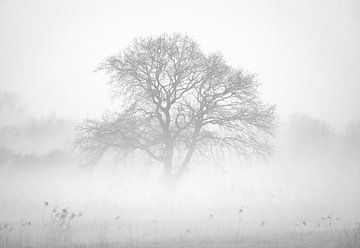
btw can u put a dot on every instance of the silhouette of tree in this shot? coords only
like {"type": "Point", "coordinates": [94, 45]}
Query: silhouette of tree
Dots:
{"type": "Point", "coordinates": [351, 139]}
{"type": "Point", "coordinates": [178, 102]}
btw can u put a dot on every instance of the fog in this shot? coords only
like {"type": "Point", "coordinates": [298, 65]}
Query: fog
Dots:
{"type": "Point", "coordinates": [306, 55]}
{"type": "Point", "coordinates": [313, 174]}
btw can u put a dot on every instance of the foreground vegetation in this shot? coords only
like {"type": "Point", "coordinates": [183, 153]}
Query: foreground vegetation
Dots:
{"type": "Point", "coordinates": [336, 239]}
{"type": "Point", "coordinates": [63, 228]}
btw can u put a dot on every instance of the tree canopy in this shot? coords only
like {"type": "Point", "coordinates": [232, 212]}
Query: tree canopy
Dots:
{"type": "Point", "coordinates": [178, 102]}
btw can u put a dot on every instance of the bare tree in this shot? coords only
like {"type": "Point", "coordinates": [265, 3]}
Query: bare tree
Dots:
{"type": "Point", "coordinates": [178, 102]}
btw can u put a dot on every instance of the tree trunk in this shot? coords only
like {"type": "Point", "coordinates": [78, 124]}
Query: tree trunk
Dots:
{"type": "Point", "coordinates": [169, 151]}
{"type": "Point", "coordinates": [189, 153]}
{"type": "Point", "coordinates": [185, 163]}
{"type": "Point", "coordinates": [167, 171]}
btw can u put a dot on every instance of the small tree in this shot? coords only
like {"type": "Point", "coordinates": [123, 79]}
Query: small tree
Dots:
{"type": "Point", "coordinates": [177, 102]}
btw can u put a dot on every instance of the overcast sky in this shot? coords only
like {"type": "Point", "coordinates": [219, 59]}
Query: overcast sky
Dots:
{"type": "Point", "coordinates": [307, 53]}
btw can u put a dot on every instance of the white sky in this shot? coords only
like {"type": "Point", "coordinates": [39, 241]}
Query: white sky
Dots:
{"type": "Point", "coordinates": [307, 52]}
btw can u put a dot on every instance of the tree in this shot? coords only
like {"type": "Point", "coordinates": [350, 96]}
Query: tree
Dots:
{"type": "Point", "coordinates": [309, 140]}
{"type": "Point", "coordinates": [351, 140]}
{"type": "Point", "coordinates": [178, 102]}
{"type": "Point", "coordinates": [306, 131]}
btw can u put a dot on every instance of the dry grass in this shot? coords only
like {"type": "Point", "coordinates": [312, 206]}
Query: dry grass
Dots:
{"type": "Point", "coordinates": [56, 231]}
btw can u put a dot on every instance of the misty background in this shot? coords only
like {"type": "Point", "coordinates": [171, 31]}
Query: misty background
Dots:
{"type": "Point", "coordinates": [306, 54]}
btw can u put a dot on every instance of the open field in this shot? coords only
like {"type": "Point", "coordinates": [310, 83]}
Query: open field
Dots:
{"type": "Point", "coordinates": [289, 240]}
{"type": "Point", "coordinates": [59, 232]}
{"type": "Point", "coordinates": [180, 124]}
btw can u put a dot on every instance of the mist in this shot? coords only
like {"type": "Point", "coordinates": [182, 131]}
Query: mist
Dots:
{"type": "Point", "coordinates": [314, 173]}
{"type": "Point", "coordinates": [300, 189]}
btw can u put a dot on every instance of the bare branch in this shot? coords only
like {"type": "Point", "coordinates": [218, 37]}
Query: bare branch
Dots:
{"type": "Point", "coordinates": [178, 102]}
